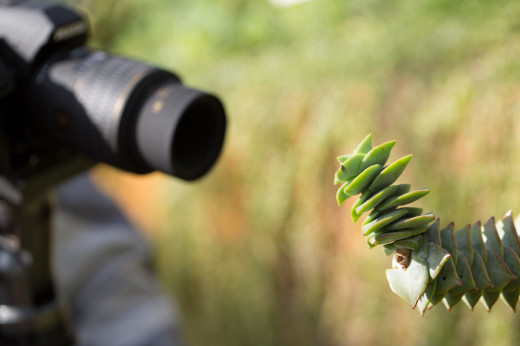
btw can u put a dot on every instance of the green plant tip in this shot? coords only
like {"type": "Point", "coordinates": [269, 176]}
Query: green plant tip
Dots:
{"type": "Point", "coordinates": [430, 264]}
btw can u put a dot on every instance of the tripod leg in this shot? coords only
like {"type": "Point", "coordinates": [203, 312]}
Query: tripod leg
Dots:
{"type": "Point", "coordinates": [30, 313]}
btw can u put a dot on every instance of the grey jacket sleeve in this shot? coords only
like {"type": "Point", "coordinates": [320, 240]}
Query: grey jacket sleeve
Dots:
{"type": "Point", "coordinates": [103, 269]}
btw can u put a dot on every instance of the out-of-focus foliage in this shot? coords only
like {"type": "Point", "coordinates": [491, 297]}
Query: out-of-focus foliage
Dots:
{"type": "Point", "coordinates": [258, 253]}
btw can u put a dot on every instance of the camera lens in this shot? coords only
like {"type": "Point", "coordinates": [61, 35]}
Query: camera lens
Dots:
{"type": "Point", "coordinates": [128, 114]}
{"type": "Point", "coordinates": [180, 130]}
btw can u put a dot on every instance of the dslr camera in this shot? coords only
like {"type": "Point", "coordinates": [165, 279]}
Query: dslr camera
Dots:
{"type": "Point", "coordinates": [64, 107]}
{"type": "Point", "coordinates": [59, 98]}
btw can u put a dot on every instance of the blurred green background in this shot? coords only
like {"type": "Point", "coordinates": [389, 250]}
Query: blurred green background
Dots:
{"type": "Point", "coordinates": [258, 253]}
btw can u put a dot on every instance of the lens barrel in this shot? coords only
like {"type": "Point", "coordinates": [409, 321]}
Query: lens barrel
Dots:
{"type": "Point", "coordinates": [128, 114]}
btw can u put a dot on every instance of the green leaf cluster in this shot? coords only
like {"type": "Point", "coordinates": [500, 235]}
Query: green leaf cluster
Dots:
{"type": "Point", "coordinates": [365, 172]}
{"type": "Point", "coordinates": [476, 263]}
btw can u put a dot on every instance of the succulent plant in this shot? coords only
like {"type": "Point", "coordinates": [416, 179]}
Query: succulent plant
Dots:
{"type": "Point", "coordinates": [430, 264]}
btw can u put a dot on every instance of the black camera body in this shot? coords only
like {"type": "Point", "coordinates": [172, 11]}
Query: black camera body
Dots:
{"type": "Point", "coordinates": [60, 99]}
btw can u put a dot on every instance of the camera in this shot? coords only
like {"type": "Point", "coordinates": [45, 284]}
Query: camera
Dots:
{"type": "Point", "coordinates": [64, 107]}
{"type": "Point", "coordinates": [59, 99]}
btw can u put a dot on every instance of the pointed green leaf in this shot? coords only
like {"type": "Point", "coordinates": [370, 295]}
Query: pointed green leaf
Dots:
{"type": "Point", "coordinates": [454, 295]}
{"type": "Point", "coordinates": [451, 299]}
{"type": "Point", "coordinates": [406, 198]}
{"type": "Point", "coordinates": [491, 238]}
{"type": "Point", "coordinates": [412, 243]}
{"type": "Point", "coordinates": [463, 240]}
{"type": "Point", "coordinates": [350, 168]}
{"type": "Point", "coordinates": [448, 241]}
{"type": "Point", "coordinates": [482, 280]}
{"type": "Point", "coordinates": [412, 212]}
{"type": "Point", "coordinates": [472, 298]}
{"type": "Point", "coordinates": [513, 263]}
{"type": "Point", "coordinates": [382, 237]}
{"type": "Point", "coordinates": [388, 249]}
{"type": "Point", "coordinates": [383, 220]}
{"type": "Point", "coordinates": [355, 216]}
{"type": "Point", "coordinates": [436, 259]}
{"type": "Point", "coordinates": [465, 276]}
{"type": "Point", "coordinates": [378, 155]}
{"type": "Point", "coordinates": [447, 278]}
{"type": "Point", "coordinates": [343, 158]}
{"type": "Point", "coordinates": [427, 296]}
{"type": "Point", "coordinates": [436, 298]}
{"type": "Point", "coordinates": [489, 298]}
{"type": "Point", "coordinates": [424, 248]}
{"type": "Point", "coordinates": [477, 243]}
{"type": "Point", "coordinates": [374, 200]}
{"type": "Point", "coordinates": [340, 195]}
{"type": "Point", "coordinates": [498, 271]}
{"type": "Point", "coordinates": [433, 232]}
{"type": "Point", "coordinates": [365, 145]}
{"type": "Point", "coordinates": [479, 272]}
{"type": "Point", "coordinates": [412, 222]}
{"type": "Point", "coordinates": [511, 298]}
{"type": "Point", "coordinates": [500, 276]}
{"type": "Point", "coordinates": [411, 283]}
{"type": "Point", "coordinates": [508, 233]}
{"type": "Point", "coordinates": [363, 180]}
{"type": "Point", "coordinates": [376, 213]}
{"type": "Point", "coordinates": [390, 174]}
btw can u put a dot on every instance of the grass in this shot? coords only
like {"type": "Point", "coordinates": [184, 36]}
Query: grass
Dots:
{"type": "Point", "coordinates": [257, 253]}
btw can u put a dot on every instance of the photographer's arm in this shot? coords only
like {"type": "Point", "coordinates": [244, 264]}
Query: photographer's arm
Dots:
{"type": "Point", "coordinates": [103, 268]}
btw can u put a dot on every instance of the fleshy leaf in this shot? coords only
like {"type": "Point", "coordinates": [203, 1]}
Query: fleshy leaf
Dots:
{"type": "Point", "coordinates": [378, 155]}
{"type": "Point", "coordinates": [463, 240]}
{"type": "Point", "coordinates": [477, 243]}
{"type": "Point", "coordinates": [390, 174]}
{"type": "Point", "coordinates": [511, 298]}
{"type": "Point", "coordinates": [511, 292]}
{"type": "Point", "coordinates": [448, 241]}
{"type": "Point", "coordinates": [350, 168]}
{"type": "Point", "coordinates": [388, 249]}
{"type": "Point", "coordinates": [343, 158]}
{"type": "Point", "coordinates": [498, 271]}
{"type": "Point", "coordinates": [412, 212]}
{"type": "Point", "coordinates": [340, 195]}
{"type": "Point", "coordinates": [447, 278]}
{"type": "Point", "coordinates": [454, 295]}
{"type": "Point", "coordinates": [365, 145]}
{"type": "Point", "coordinates": [374, 200]}
{"type": "Point", "coordinates": [376, 214]}
{"type": "Point", "coordinates": [513, 263]}
{"type": "Point", "coordinates": [427, 296]}
{"type": "Point", "coordinates": [465, 276]}
{"type": "Point", "coordinates": [433, 232]}
{"type": "Point", "coordinates": [482, 280]}
{"type": "Point", "coordinates": [437, 257]}
{"type": "Point", "coordinates": [412, 243]}
{"type": "Point", "coordinates": [383, 220]}
{"type": "Point", "coordinates": [411, 283]}
{"type": "Point", "coordinates": [500, 276]}
{"type": "Point", "coordinates": [359, 183]}
{"type": "Point", "coordinates": [355, 216]}
{"type": "Point", "coordinates": [380, 237]}
{"type": "Point", "coordinates": [508, 233]}
{"type": "Point", "coordinates": [413, 222]}
{"type": "Point", "coordinates": [491, 238]}
{"type": "Point", "coordinates": [404, 199]}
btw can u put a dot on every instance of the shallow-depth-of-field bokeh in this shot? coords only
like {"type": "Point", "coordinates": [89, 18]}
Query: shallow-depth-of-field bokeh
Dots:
{"type": "Point", "coordinates": [258, 252]}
